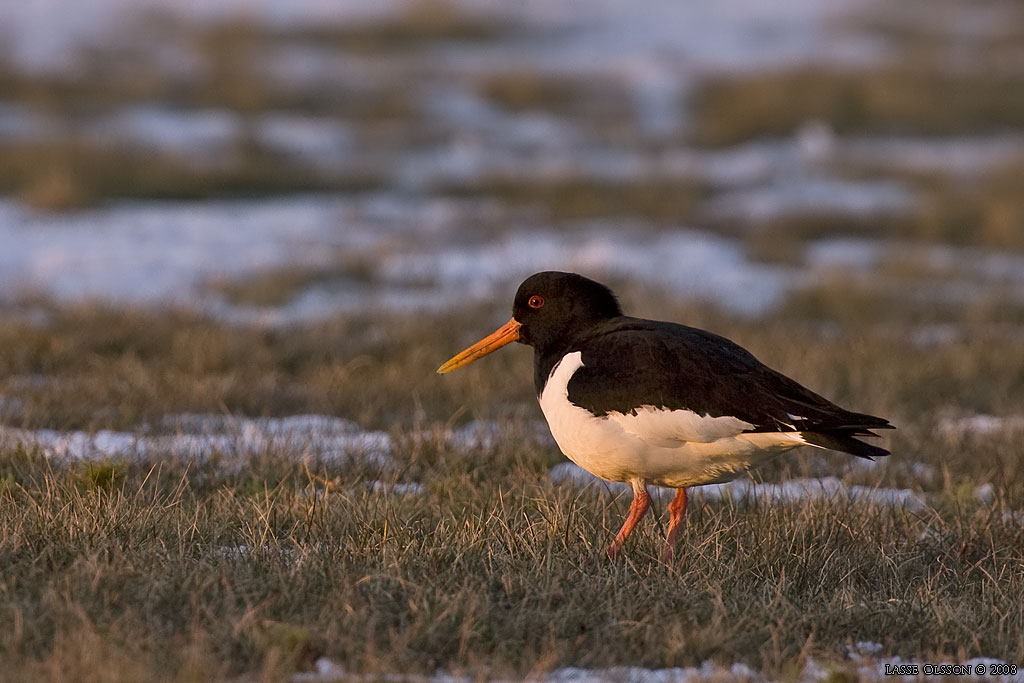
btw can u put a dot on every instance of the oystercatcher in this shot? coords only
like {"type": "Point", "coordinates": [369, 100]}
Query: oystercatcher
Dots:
{"type": "Point", "coordinates": [651, 402]}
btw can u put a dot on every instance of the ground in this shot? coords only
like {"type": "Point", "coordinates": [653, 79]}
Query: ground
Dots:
{"type": "Point", "coordinates": [225, 454]}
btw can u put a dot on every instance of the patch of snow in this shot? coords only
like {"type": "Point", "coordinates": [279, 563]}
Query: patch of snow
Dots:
{"type": "Point", "coordinates": [844, 254]}
{"type": "Point", "coordinates": [942, 272]}
{"type": "Point", "coordinates": [688, 262]}
{"type": "Point", "coordinates": [198, 435]}
{"type": "Point", "coordinates": [399, 489]}
{"type": "Point", "coordinates": [304, 435]}
{"type": "Point", "coordinates": [161, 251]}
{"type": "Point", "coordinates": [800, 490]}
{"type": "Point", "coordinates": [633, 674]}
{"type": "Point", "coordinates": [164, 251]}
{"type": "Point", "coordinates": [325, 142]}
{"type": "Point", "coordinates": [957, 156]}
{"type": "Point", "coordinates": [924, 472]}
{"type": "Point", "coordinates": [726, 34]}
{"type": "Point", "coordinates": [866, 463]}
{"type": "Point", "coordinates": [487, 434]}
{"type": "Point", "coordinates": [868, 669]}
{"type": "Point", "coordinates": [327, 670]}
{"type": "Point", "coordinates": [981, 425]}
{"type": "Point", "coordinates": [744, 491]}
{"type": "Point", "coordinates": [812, 195]}
{"type": "Point", "coordinates": [1014, 516]}
{"type": "Point", "coordinates": [863, 649]}
{"type": "Point", "coordinates": [197, 134]}
{"type": "Point", "coordinates": [985, 493]}
{"type": "Point", "coordinates": [937, 334]}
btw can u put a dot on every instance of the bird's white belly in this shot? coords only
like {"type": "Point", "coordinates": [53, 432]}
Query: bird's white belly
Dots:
{"type": "Point", "coordinates": [666, 447]}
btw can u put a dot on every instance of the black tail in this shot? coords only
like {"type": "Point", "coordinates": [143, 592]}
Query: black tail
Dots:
{"type": "Point", "coordinates": [845, 442]}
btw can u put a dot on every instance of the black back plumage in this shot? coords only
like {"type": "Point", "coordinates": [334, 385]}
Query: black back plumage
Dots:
{"type": "Point", "coordinates": [630, 362]}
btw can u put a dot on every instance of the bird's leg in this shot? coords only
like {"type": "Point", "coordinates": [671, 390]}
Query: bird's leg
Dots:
{"type": "Point", "coordinates": [637, 509]}
{"type": "Point", "coordinates": [676, 510]}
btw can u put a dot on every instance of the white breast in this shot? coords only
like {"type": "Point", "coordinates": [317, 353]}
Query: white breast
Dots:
{"type": "Point", "coordinates": [659, 446]}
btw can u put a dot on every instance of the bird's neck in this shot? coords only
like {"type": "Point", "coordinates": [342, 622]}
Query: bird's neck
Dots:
{"type": "Point", "coordinates": [544, 361]}
{"type": "Point", "coordinates": [547, 355]}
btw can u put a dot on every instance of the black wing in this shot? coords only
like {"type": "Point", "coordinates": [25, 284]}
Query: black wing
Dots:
{"type": "Point", "coordinates": [629, 363]}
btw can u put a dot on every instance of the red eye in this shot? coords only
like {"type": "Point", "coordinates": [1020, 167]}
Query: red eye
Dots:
{"type": "Point", "coordinates": [536, 301]}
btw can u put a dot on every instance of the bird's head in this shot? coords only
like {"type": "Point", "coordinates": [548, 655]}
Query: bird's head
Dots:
{"type": "Point", "coordinates": [549, 309]}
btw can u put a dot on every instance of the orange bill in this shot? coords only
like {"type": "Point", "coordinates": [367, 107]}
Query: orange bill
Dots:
{"type": "Point", "coordinates": [506, 334]}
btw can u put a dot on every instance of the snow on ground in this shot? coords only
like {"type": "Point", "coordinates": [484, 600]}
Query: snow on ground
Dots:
{"type": "Point", "coordinates": [864, 668]}
{"type": "Point", "coordinates": [161, 251]}
{"type": "Point", "coordinates": [483, 435]}
{"type": "Point", "coordinates": [426, 249]}
{"type": "Point", "coordinates": [798, 490]}
{"type": "Point", "coordinates": [810, 195]}
{"type": "Point", "coordinates": [201, 436]}
{"type": "Point", "coordinates": [723, 34]}
{"type": "Point", "coordinates": [981, 425]}
{"type": "Point", "coordinates": [397, 489]}
{"type": "Point", "coordinates": [746, 491]}
{"type": "Point", "coordinates": [701, 265]}
{"type": "Point", "coordinates": [413, 255]}
{"type": "Point", "coordinates": [330, 438]}
{"type": "Point", "coordinates": [152, 253]}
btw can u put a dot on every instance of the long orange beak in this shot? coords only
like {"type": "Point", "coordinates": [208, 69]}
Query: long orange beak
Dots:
{"type": "Point", "coordinates": [506, 334]}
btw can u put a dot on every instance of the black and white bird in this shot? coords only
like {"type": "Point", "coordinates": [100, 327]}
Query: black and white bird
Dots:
{"type": "Point", "coordinates": [651, 402]}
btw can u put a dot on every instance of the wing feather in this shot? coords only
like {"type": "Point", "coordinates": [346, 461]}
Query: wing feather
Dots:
{"type": "Point", "coordinates": [670, 378]}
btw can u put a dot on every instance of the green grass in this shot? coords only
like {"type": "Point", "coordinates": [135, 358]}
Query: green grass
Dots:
{"type": "Point", "coordinates": [135, 570]}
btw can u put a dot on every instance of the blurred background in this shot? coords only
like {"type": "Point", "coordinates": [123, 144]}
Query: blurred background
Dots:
{"type": "Point", "coordinates": [278, 163]}
{"type": "Point", "coordinates": [850, 168]}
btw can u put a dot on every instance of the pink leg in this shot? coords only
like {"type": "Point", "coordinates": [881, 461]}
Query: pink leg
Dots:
{"type": "Point", "coordinates": [637, 510]}
{"type": "Point", "coordinates": [676, 511]}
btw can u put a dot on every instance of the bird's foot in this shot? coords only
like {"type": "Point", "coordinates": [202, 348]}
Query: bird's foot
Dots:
{"type": "Point", "coordinates": [614, 550]}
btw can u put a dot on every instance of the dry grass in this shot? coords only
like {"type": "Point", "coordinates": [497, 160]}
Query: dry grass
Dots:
{"type": "Point", "coordinates": [983, 210]}
{"type": "Point", "coordinates": [945, 76]}
{"type": "Point", "coordinates": [159, 569]}
{"type": "Point", "coordinates": [672, 200]}
{"type": "Point", "coordinates": [414, 26]}
{"type": "Point", "coordinates": [988, 34]}
{"type": "Point", "coordinates": [175, 573]}
{"type": "Point", "coordinates": [137, 365]}
{"type": "Point", "coordinates": [898, 99]}
{"type": "Point", "coordinates": [603, 102]}
{"type": "Point", "coordinates": [279, 286]}
{"type": "Point", "coordinates": [68, 174]}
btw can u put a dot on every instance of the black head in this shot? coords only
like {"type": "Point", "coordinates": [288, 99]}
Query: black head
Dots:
{"type": "Point", "coordinates": [550, 310]}
{"type": "Point", "coordinates": [553, 307]}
